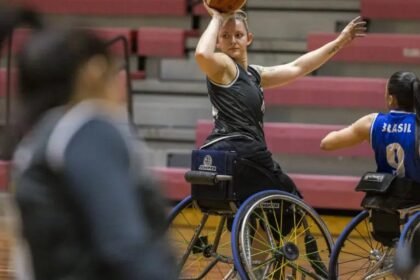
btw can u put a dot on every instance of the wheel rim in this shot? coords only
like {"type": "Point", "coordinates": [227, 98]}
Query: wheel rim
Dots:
{"type": "Point", "coordinates": [271, 254]}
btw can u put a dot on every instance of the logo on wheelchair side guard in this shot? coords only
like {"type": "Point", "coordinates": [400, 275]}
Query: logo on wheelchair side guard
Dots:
{"type": "Point", "coordinates": [207, 164]}
{"type": "Point", "coordinates": [374, 177]}
{"type": "Point", "coordinates": [270, 205]}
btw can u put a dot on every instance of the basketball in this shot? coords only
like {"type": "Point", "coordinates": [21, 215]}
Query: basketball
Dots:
{"type": "Point", "coordinates": [226, 6]}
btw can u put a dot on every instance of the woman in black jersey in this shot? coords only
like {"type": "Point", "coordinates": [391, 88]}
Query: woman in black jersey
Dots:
{"type": "Point", "coordinates": [89, 210]}
{"type": "Point", "coordinates": [236, 88]}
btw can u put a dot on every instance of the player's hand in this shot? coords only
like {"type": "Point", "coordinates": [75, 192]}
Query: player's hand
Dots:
{"type": "Point", "coordinates": [213, 12]}
{"type": "Point", "coordinates": [356, 28]}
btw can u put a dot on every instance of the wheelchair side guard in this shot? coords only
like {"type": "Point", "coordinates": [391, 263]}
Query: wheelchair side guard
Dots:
{"type": "Point", "coordinates": [374, 182]}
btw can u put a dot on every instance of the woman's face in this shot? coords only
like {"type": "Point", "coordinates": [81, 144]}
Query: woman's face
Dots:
{"type": "Point", "coordinates": [233, 39]}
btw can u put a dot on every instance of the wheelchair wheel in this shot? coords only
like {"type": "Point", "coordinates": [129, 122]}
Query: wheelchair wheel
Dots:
{"type": "Point", "coordinates": [201, 243]}
{"type": "Point", "coordinates": [357, 255]}
{"type": "Point", "coordinates": [275, 235]}
{"type": "Point", "coordinates": [408, 254]}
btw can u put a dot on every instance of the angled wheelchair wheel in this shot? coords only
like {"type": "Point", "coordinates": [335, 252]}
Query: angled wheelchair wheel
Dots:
{"type": "Point", "coordinates": [408, 249]}
{"type": "Point", "coordinates": [276, 235]}
{"type": "Point", "coordinates": [201, 243]}
{"type": "Point", "coordinates": [357, 255]}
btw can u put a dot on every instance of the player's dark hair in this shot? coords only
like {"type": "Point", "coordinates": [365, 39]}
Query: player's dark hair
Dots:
{"type": "Point", "coordinates": [416, 93]}
{"type": "Point", "coordinates": [401, 86]}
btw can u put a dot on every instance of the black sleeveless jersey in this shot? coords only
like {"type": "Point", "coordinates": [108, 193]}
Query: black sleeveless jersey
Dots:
{"type": "Point", "coordinates": [238, 108]}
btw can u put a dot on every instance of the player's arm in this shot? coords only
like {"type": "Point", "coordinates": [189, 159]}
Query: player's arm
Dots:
{"type": "Point", "coordinates": [282, 74]}
{"type": "Point", "coordinates": [352, 135]}
{"type": "Point", "coordinates": [217, 66]}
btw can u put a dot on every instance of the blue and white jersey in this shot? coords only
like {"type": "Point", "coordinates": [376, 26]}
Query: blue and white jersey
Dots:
{"type": "Point", "coordinates": [393, 138]}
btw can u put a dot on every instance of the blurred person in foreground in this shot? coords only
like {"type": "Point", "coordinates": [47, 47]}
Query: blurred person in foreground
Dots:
{"type": "Point", "coordinates": [88, 209]}
{"type": "Point", "coordinates": [235, 86]}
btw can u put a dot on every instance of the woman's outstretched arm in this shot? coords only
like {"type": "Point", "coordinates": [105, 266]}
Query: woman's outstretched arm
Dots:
{"type": "Point", "coordinates": [282, 74]}
{"type": "Point", "coordinates": [349, 136]}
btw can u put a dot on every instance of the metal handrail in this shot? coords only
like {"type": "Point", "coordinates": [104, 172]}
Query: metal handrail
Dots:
{"type": "Point", "coordinates": [127, 70]}
{"type": "Point", "coordinates": [9, 79]}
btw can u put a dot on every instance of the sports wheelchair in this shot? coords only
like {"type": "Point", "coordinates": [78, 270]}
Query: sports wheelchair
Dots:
{"type": "Point", "coordinates": [366, 248]}
{"type": "Point", "coordinates": [236, 227]}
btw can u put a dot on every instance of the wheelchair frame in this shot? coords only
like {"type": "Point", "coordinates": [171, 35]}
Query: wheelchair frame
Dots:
{"type": "Point", "coordinates": [203, 243]}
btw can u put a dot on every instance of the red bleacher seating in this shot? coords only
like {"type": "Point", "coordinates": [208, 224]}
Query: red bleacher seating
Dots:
{"type": "Point", "coordinates": [112, 7]}
{"type": "Point", "coordinates": [294, 139]}
{"type": "Point", "coordinates": [117, 48]}
{"type": "Point", "coordinates": [161, 42]}
{"type": "Point", "coordinates": [122, 80]}
{"type": "Point", "coordinates": [329, 92]}
{"type": "Point", "coordinates": [108, 34]}
{"type": "Point", "coordinates": [374, 48]}
{"type": "Point", "coordinates": [21, 35]}
{"type": "Point", "coordinates": [390, 9]}
{"type": "Point", "coordinates": [199, 10]}
{"type": "Point", "coordinates": [319, 191]}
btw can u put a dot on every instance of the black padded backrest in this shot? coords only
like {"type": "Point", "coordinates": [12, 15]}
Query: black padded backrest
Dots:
{"type": "Point", "coordinates": [391, 194]}
{"type": "Point", "coordinates": [213, 196]}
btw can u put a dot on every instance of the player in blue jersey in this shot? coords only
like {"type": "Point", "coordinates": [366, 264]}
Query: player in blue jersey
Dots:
{"type": "Point", "coordinates": [393, 135]}
{"type": "Point", "coordinates": [394, 139]}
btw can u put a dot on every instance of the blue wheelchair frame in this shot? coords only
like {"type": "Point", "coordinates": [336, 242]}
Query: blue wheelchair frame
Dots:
{"type": "Point", "coordinates": [218, 189]}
